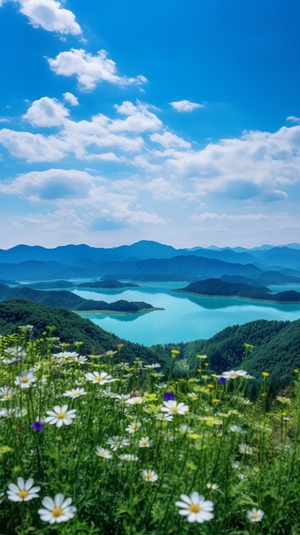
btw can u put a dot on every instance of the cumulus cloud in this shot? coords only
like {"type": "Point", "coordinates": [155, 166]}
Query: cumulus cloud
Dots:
{"type": "Point", "coordinates": [46, 112]}
{"type": "Point", "coordinates": [32, 147]}
{"type": "Point", "coordinates": [185, 105]}
{"type": "Point", "coordinates": [98, 138]}
{"type": "Point", "coordinates": [167, 140]}
{"type": "Point", "coordinates": [49, 15]}
{"type": "Point", "coordinates": [50, 185]}
{"type": "Point", "coordinates": [259, 164]}
{"type": "Point", "coordinates": [139, 118]}
{"type": "Point", "coordinates": [71, 99]}
{"type": "Point", "coordinates": [90, 70]}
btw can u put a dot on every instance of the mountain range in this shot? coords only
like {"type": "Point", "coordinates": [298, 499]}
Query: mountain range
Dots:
{"type": "Point", "coordinates": [150, 261]}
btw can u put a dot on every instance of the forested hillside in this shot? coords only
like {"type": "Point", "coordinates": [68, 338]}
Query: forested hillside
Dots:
{"type": "Point", "coordinates": [257, 346]}
{"type": "Point", "coordinates": [269, 346]}
{"type": "Point", "coordinates": [69, 327]}
{"type": "Point", "coordinates": [69, 300]}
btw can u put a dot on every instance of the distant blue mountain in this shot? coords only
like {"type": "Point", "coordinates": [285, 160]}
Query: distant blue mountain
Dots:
{"type": "Point", "coordinates": [146, 260]}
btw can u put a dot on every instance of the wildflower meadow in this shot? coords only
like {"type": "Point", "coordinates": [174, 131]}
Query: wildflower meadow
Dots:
{"type": "Point", "coordinates": [91, 444]}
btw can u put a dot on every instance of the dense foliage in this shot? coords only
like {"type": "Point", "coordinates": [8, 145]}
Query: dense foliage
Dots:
{"type": "Point", "coordinates": [258, 345]}
{"type": "Point", "coordinates": [92, 445]}
{"type": "Point", "coordinates": [70, 326]}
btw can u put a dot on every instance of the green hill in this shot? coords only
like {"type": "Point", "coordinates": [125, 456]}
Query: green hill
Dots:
{"type": "Point", "coordinates": [219, 287]}
{"type": "Point", "coordinates": [69, 327]}
{"type": "Point", "coordinates": [273, 347]}
{"type": "Point", "coordinates": [69, 300]}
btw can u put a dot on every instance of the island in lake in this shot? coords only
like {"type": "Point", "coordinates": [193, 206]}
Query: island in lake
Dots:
{"type": "Point", "coordinates": [71, 301]}
{"type": "Point", "coordinates": [221, 288]}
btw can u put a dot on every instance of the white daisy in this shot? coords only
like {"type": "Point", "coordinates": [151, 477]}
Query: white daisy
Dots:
{"type": "Point", "coordinates": [233, 374]}
{"type": "Point", "coordinates": [255, 515]}
{"type": "Point", "coordinates": [135, 400]}
{"type": "Point", "coordinates": [103, 453]}
{"type": "Point", "coordinates": [149, 476]}
{"type": "Point", "coordinates": [164, 417]}
{"type": "Point", "coordinates": [65, 355]}
{"type": "Point", "coordinates": [117, 443]}
{"type": "Point", "coordinates": [100, 378]}
{"type": "Point", "coordinates": [80, 359]}
{"type": "Point", "coordinates": [128, 457]}
{"type": "Point", "coordinates": [172, 407]}
{"type": "Point", "coordinates": [75, 393]}
{"type": "Point", "coordinates": [133, 427]}
{"type": "Point", "coordinates": [6, 393]}
{"type": "Point", "coordinates": [57, 509]}
{"type": "Point", "coordinates": [145, 442]}
{"type": "Point", "coordinates": [60, 416]}
{"type": "Point", "coordinates": [23, 491]}
{"type": "Point", "coordinates": [26, 379]}
{"type": "Point", "coordinates": [195, 508]}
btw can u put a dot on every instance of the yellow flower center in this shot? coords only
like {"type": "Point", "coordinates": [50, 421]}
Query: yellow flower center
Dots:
{"type": "Point", "coordinates": [99, 378]}
{"type": "Point", "coordinates": [25, 380]}
{"type": "Point", "coordinates": [255, 516]}
{"type": "Point", "coordinates": [194, 508]}
{"type": "Point", "coordinates": [234, 374]}
{"type": "Point", "coordinates": [148, 476]}
{"type": "Point", "coordinates": [57, 512]}
{"type": "Point", "coordinates": [23, 494]}
{"type": "Point", "coordinates": [61, 415]}
{"type": "Point", "coordinates": [76, 394]}
{"type": "Point", "coordinates": [174, 409]}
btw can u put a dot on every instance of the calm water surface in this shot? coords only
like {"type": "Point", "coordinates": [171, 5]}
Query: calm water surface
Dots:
{"type": "Point", "coordinates": [185, 317]}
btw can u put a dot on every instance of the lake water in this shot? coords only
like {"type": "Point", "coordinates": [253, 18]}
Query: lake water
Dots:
{"type": "Point", "coordinates": [185, 317]}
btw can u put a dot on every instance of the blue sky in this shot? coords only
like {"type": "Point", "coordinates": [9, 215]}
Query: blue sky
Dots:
{"type": "Point", "coordinates": [170, 121]}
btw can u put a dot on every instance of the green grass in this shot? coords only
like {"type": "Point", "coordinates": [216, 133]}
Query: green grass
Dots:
{"type": "Point", "coordinates": [228, 449]}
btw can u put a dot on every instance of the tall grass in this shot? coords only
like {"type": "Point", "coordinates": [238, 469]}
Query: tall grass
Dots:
{"type": "Point", "coordinates": [134, 452]}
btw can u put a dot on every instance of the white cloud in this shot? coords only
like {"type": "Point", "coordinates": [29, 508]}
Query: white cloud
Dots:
{"type": "Point", "coordinates": [167, 140]}
{"type": "Point", "coordinates": [163, 190]}
{"type": "Point", "coordinates": [49, 15]}
{"type": "Point", "coordinates": [293, 119]}
{"type": "Point", "coordinates": [139, 118]}
{"type": "Point", "coordinates": [186, 105]}
{"type": "Point", "coordinates": [71, 99]}
{"type": "Point", "coordinates": [32, 147]}
{"type": "Point", "coordinates": [50, 185]}
{"type": "Point", "coordinates": [259, 164]}
{"type": "Point", "coordinates": [46, 112]}
{"type": "Point", "coordinates": [90, 70]}
{"type": "Point", "coordinates": [210, 216]}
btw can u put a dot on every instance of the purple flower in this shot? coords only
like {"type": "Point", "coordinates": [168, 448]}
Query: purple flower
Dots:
{"type": "Point", "coordinates": [222, 380]}
{"type": "Point", "coordinates": [168, 396]}
{"type": "Point", "coordinates": [37, 426]}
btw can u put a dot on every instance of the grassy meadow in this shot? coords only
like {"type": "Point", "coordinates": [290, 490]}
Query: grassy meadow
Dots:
{"type": "Point", "coordinates": [91, 444]}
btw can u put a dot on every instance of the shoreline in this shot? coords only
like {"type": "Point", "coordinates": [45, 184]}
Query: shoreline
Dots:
{"type": "Point", "coordinates": [240, 297]}
{"type": "Point", "coordinates": [115, 312]}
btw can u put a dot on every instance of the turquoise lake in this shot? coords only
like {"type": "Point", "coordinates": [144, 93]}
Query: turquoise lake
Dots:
{"type": "Point", "coordinates": [185, 317]}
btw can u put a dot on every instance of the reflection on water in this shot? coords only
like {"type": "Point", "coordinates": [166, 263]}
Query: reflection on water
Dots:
{"type": "Point", "coordinates": [185, 317]}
